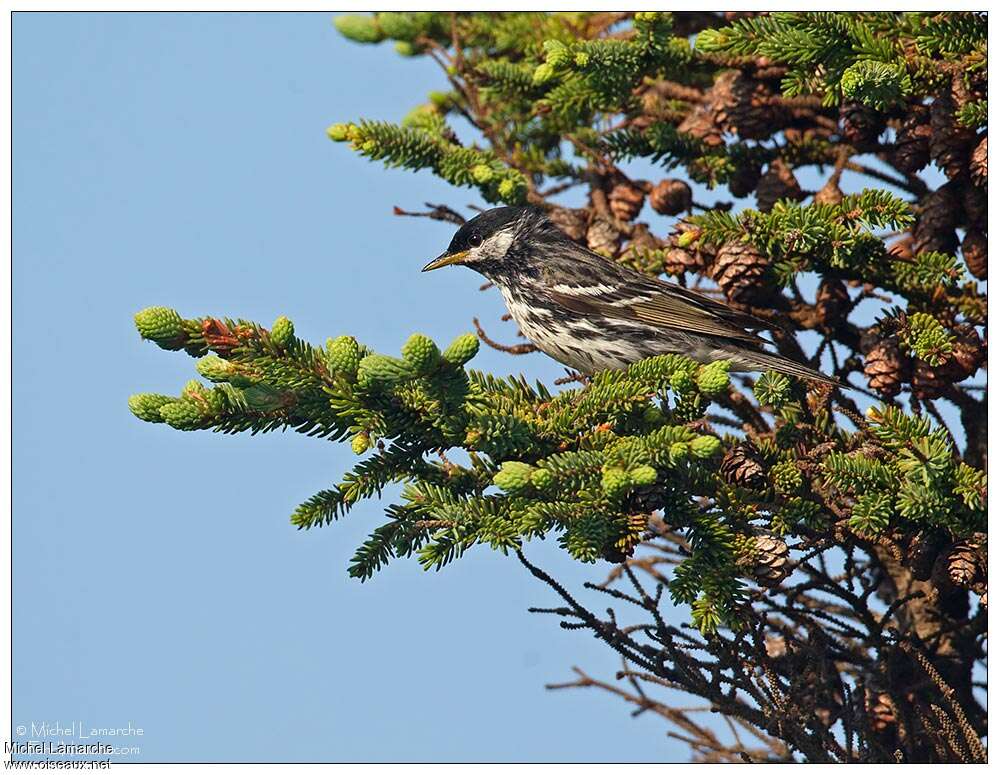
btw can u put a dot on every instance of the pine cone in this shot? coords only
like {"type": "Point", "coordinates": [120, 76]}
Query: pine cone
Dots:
{"type": "Point", "coordinates": [614, 555]}
{"type": "Point", "coordinates": [980, 163]}
{"type": "Point", "coordinates": [743, 181]}
{"type": "Point", "coordinates": [741, 466]}
{"type": "Point", "coordinates": [975, 250]}
{"type": "Point", "coordinates": [964, 564]}
{"type": "Point", "coordinates": [922, 554]}
{"type": "Point", "coordinates": [700, 123]}
{"type": "Point", "coordinates": [744, 106]}
{"type": "Point", "coordinates": [603, 237]}
{"type": "Point", "coordinates": [831, 301]}
{"type": "Point", "coordinates": [950, 142]}
{"type": "Point", "coordinates": [771, 560]}
{"type": "Point", "coordinates": [968, 354]}
{"type": "Point", "coordinates": [779, 182]}
{"type": "Point", "coordinates": [741, 272]}
{"type": "Point", "coordinates": [680, 260]}
{"type": "Point", "coordinates": [645, 500]}
{"type": "Point", "coordinates": [966, 87]}
{"type": "Point", "coordinates": [691, 258]}
{"type": "Point", "coordinates": [928, 382]}
{"type": "Point", "coordinates": [975, 208]}
{"type": "Point", "coordinates": [571, 222]}
{"type": "Point", "coordinates": [886, 367]}
{"type": "Point", "coordinates": [911, 151]}
{"type": "Point", "coordinates": [670, 197]}
{"type": "Point", "coordinates": [934, 231]}
{"type": "Point", "coordinates": [861, 126]}
{"type": "Point", "coordinates": [626, 201]}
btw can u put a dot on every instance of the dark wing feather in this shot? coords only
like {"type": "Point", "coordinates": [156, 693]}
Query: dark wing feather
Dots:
{"type": "Point", "coordinates": [656, 303]}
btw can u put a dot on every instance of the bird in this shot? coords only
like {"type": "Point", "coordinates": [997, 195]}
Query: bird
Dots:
{"type": "Point", "coordinates": [592, 314]}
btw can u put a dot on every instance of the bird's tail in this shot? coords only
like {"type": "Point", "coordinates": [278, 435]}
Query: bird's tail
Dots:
{"type": "Point", "coordinates": [760, 361]}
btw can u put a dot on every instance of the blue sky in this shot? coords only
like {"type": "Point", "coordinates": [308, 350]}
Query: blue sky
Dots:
{"type": "Point", "coordinates": [182, 160]}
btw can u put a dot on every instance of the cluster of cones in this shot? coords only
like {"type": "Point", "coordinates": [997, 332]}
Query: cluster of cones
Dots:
{"type": "Point", "coordinates": [748, 104]}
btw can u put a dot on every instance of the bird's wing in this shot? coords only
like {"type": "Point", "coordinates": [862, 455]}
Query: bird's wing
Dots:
{"type": "Point", "coordinates": [656, 303]}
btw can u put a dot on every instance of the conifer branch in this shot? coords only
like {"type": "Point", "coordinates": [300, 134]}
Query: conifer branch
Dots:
{"type": "Point", "coordinates": [826, 552]}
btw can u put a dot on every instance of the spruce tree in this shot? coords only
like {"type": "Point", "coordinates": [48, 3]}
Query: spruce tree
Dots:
{"type": "Point", "coordinates": [827, 546]}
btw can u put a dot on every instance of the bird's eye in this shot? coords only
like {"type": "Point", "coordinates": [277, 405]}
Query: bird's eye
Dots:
{"type": "Point", "coordinates": [474, 240]}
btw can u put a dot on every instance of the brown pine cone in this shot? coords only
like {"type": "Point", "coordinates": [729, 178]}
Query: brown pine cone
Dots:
{"type": "Point", "coordinates": [615, 556]}
{"type": "Point", "coordinates": [964, 564]}
{"type": "Point", "coordinates": [975, 249]}
{"type": "Point", "coordinates": [680, 260]}
{"type": "Point", "coordinates": [928, 382]}
{"type": "Point", "coordinates": [885, 367]}
{"type": "Point", "coordinates": [831, 301]}
{"type": "Point", "coordinates": [570, 221]}
{"type": "Point", "coordinates": [771, 566]}
{"type": "Point", "coordinates": [670, 197]}
{"type": "Point", "coordinates": [779, 182]}
{"type": "Point", "coordinates": [980, 163]}
{"type": "Point", "coordinates": [744, 179]}
{"type": "Point", "coordinates": [744, 106]}
{"type": "Point", "coordinates": [741, 272]}
{"type": "Point", "coordinates": [934, 231]}
{"type": "Point", "coordinates": [626, 201]}
{"type": "Point", "coordinates": [700, 123]}
{"type": "Point", "coordinates": [966, 87]}
{"type": "Point", "coordinates": [741, 466]}
{"type": "Point", "coordinates": [975, 208]}
{"type": "Point", "coordinates": [968, 354]}
{"type": "Point", "coordinates": [603, 237]}
{"type": "Point", "coordinates": [922, 553]}
{"type": "Point", "coordinates": [689, 258]}
{"type": "Point", "coordinates": [950, 143]}
{"type": "Point", "coordinates": [861, 126]}
{"type": "Point", "coordinates": [911, 151]}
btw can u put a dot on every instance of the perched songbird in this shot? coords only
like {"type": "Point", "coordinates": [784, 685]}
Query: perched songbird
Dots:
{"type": "Point", "coordinates": [590, 313]}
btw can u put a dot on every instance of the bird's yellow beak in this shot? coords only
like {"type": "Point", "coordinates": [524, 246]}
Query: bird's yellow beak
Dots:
{"type": "Point", "coordinates": [445, 259]}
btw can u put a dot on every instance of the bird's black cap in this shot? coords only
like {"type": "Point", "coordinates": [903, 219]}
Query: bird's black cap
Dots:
{"type": "Point", "coordinates": [486, 224]}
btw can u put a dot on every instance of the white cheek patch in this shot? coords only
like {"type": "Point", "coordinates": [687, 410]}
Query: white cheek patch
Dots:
{"type": "Point", "coordinates": [493, 248]}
